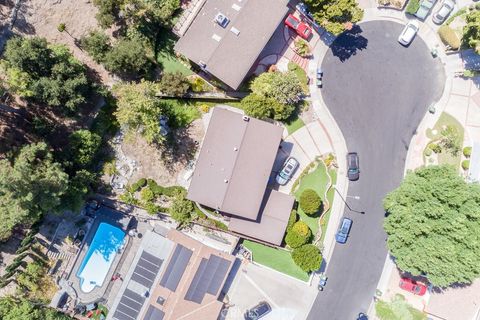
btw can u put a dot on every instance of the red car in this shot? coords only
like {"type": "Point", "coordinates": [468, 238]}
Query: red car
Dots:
{"type": "Point", "coordinates": [413, 286]}
{"type": "Point", "coordinates": [302, 29]}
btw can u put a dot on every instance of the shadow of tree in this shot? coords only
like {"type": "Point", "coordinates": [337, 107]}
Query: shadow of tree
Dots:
{"type": "Point", "coordinates": [179, 148]}
{"type": "Point", "coordinates": [348, 43]}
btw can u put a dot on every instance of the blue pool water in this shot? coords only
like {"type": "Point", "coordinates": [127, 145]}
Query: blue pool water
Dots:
{"type": "Point", "coordinates": [100, 255]}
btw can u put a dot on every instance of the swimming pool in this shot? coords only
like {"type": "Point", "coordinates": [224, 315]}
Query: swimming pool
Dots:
{"type": "Point", "coordinates": [100, 255]}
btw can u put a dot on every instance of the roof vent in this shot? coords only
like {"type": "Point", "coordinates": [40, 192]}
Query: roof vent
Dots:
{"type": "Point", "coordinates": [226, 180]}
{"type": "Point", "coordinates": [235, 31]}
{"type": "Point", "coordinates": [246, 118]}
{"type": "Point", "coordinates": [235, 149]}
{"type": "Point", "coordinates": [222, 20]}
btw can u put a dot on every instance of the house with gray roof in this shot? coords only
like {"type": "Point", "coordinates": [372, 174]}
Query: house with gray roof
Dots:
{"type": "Point", "coordinates": [232, 174]}
{"type": "Point", "coordinates": [225, 37]}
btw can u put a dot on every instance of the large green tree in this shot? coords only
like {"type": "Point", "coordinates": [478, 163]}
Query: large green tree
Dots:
{"type": "Point", "coordinates": [284, 87]}
{"type": "Point", "coordinates": [12, 308]}
{"type": "Point", "coordinates": [47, 73]}
{"type": "Point", "coordinates": [433, 224]}
{"type": "Point", "coordinates": [127, 57]}
{"type": "Point", "coordinates": [97, 44]}
{"type": "Point", "coordinates": [139, 110]}
{"type": "Point", "coordinates": [335, 15]}
{"type": "Point", "coordinates": [31, 184]}
{"type": "Point", "coordinates": [471, 32]}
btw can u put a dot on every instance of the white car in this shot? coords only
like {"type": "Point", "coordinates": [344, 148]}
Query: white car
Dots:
{"type": "Point", "coordinates": [287, 171]}
{"type": "Point", "coordinates": [445, 9]}
{"type": "Point", "coordinates": [409, 32]}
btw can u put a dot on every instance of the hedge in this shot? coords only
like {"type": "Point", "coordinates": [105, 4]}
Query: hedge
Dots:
{"type": "Point", "coordinates": [449, 37]}
{"type": "Point", "coordinates": [307, 257]}
{"type": "Point", "coordinates": [292, 219]}
{"type": "Point", "coordinates": [138, 185]}
{"type": "Point", "coordinates": [310, 201]}
{"type": "Point", "coordinates": [413, 6]}
{"type": "Point", "coordinates": [159, 190]}
{"type": "Point", "coordinates": [295, 240]}
{"type": "Point", "coordinates": [467, 152]}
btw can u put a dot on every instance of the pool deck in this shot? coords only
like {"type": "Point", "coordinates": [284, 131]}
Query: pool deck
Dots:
{"type": "Point", "coordinates": [116, 219]}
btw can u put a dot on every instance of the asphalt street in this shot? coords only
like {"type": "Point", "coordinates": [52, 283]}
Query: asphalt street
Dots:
{"type": "Point", "coordinates": [377, 91]}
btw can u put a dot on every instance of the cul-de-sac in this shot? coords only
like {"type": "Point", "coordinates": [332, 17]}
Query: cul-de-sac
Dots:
{"type": "Point", "coordinates": [240, 159]}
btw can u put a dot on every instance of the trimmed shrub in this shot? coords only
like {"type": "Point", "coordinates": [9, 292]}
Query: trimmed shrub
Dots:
{"type": "Point", "coordinates": [427, 152]}
{"type": "Point", "coordinates": [307, 257]}
{"type": "Point", "coordinates": [295, 240]}
{"type": "Point", "coordinates": [302, 48]}
{"type": "Point", "coordinates": [147, 194]}
{"type": "Point", "coordinates": [413, 6]}
{"type": "Point", "coordinates": [310, 201]}
{"type": "Point", "coordinates": [138, 185]}
{"type": "Point", "coordinates": [465, 164]}
{"type": "Point", "coordinates": [302, 229]}
{"type": "Point", "coordinates": [467, 152]}
{"type": "Point", "coordinates": [449, 37]}
{"type": "Point", "coordinates": [434, 147]}
{"type": "Point", "coordinates": [291, 221]}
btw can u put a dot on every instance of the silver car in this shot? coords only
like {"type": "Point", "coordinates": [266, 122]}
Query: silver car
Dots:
{"type": "Point", "coordinates": [287, 171]}
{"type": "Point", "coordinates": [409, 32]}
{"type": "Point", "coordinates": [445, 9]}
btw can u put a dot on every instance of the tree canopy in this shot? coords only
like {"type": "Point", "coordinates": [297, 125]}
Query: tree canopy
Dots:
{"type": "Point", "coordinates": [20, 309]}
{"type": "Point", "coordinates": [47, 73]}
{"type": "Point", "coordinates": [433, 224]}
{"type": "Point", "coordinates": [307, 257]}
{"type": "Point", "coordinates": [471, 32]}
{"type": "Point", "coordinates": [139, 109]}
{"type": "Point", "coordinates": [127, 57]}
{"type": "Point", "coordinates": [174, 84]}
{"type": "Point", "coordinates": [30, 185]}
{"type": "Point", "coordinates": [335, 15]}
{"type": "Point", "coordinates": [97, 44]}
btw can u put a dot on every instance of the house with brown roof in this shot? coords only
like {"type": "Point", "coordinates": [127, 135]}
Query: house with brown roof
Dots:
{"type": "Point", "coordinates": [232, 173]}
{"type": "Point", "coordinates": [172, 277]}
{"type": "Point", "coordinates": [225, 37]}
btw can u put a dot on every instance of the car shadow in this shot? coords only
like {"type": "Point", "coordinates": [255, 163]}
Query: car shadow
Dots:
{"type": "Point", "coordinates": [349, 43]}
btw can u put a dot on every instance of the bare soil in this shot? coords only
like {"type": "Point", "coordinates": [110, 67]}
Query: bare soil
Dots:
{"type": "Point", "coordinates": [42, 17]}
{"type": "Point", "coordinates": [164, 164]}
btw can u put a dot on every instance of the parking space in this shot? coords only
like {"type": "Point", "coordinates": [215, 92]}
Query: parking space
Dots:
{"type": "Point", "coordinates": [289, 298]}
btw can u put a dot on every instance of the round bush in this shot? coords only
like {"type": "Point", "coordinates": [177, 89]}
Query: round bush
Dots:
{"type": "Point", "coordinates": [310, 201]}
{"type": "Point", "coordinates": [427, 152]}
{"type": "Point", "coordinates": [465, 164]}
{"type": "Point", "coordinates": [292, 219]}
{"type": "Point", "coordinates": [434, 147]}
{"type": "Point", "coordinates": [295, 240]}
{"type": "Point", "coordinates": [467, 152]}
{"type": "Point", "coordinates": [307, 257]}
{"type": "Point", "coordinates": [302, 229]}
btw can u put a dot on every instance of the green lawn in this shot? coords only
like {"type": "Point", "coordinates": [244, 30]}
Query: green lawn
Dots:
{"type": "Point", "coordinates": [182, 112]}
{"type": "Point", "coordinates": [165, 54]}
{"type": "Point", "coordinates": [293, 124]}
{"type": "Point", "coordinates": [330, 194]}
{"type": "Point", "coordinates": [316, 180]}
{"type": "Point", "coordinates": [447, 120]}
{"type": "Point", "coordinates": [277, 259]}
{"type": "Point", "coordinates": [397, 309]}
{"type": "Point", "coordinates": [301, 74]}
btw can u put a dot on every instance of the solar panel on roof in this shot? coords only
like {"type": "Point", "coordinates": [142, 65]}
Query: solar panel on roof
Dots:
{"type": "Point", "coordinates": [176, 268]}
{"type": "Point", "coordinates": [134, 296]}
{"type": "Point", "coordinates": [147, 265]}
{"type": "Point", "coordinates": [151, 258]}
{"type": "Point", "coordinates": [153, 314]}
{"type": "Point", "coordinates": [208, 278]}
{"type": "Point", "coordinates": [130, 303]}
{"type": "Point", "coordinates": [145, 282]}
{"type": "Point", "coordinates": [145, 273]}
{"type": "Point", "coordinates": [192, 293]}
{"type": "Point", "coordinates": [129, 306]}
{"type": "Point", "coordinates": [122, 316]}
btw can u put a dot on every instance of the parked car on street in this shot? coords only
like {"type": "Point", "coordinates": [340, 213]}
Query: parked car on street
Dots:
{"type": "Point", "coordinates": [445, 9]}
{"type": "Point", "coordinates": [343, 230]}
{"type": "Point", "coordinates": [301, 28]}
{"type": "Point", "coordinates": [413, 286]}
{"type": "Point", "coordinates": [257, 312]}
{"type": "Point", "coordinates": [425, 7]}
{"type": "Point", "coordinates": [287, 171]}
{"type": "Point", "coordinates": [362, 316]}
{"type": "Point", "coordinates": [408, 33]}
{"type": "Point", "coordinates": [353, 164]}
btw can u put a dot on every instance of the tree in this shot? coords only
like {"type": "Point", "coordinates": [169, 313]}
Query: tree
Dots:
{"type": "Point", "coordinates": [127, 57]}
{"type": "Point", "coordinates": [433, 224]}
{"type": "Point", "coordinates": [307, 257]}
{"type": "Point", "coordinates": [97, 44]}
{"type": "Point", "coordinates": [298, 235]}
{"type": "Point", "coordinates": [83, 145]}
{"type": "Point", "coordinates": [284, 87]}
{"type": "Point", "coordinates": [292, 219]}
{"type": "Point", "coordinates": [451, 140]}
{"type": "Point", "coordinates": [79, 186]}
{"type": "Point", "coordinates": [181, 208]}
{"type": "Point", "coordinates": [30, 186]}
{"type": "Point", "coordinates": [335, 15]}
{"type": "Point", "coordinates": [108, 11]}
{"type": "Point", "coordinates": [21, 309]}
{"type": "Point", "coordinates": [258, 106]}
{"type": "Point", "coordinates": [174, 84]}
{"type": "Point", "coordinates": [471, 32]}
{"type": "Point", "coordinates": [47, 73]}
{"type": "Point", "coordinates": [30, 278]}
{"type": "Point", "coordinates": [310, 201]}
{"type": "Point", "coordinates": [138, 108]}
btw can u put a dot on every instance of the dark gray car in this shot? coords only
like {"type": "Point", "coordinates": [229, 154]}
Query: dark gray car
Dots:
{"type": "Point", "coordinates": [257, 312]}
{"type": "Point", "coordinates": [353, 164]}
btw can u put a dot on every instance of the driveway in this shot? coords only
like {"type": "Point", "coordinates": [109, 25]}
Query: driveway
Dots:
{"type": "Point", "coordinates": [289, 298]}
{"type": "Point", "coordinates": [377, 91]}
